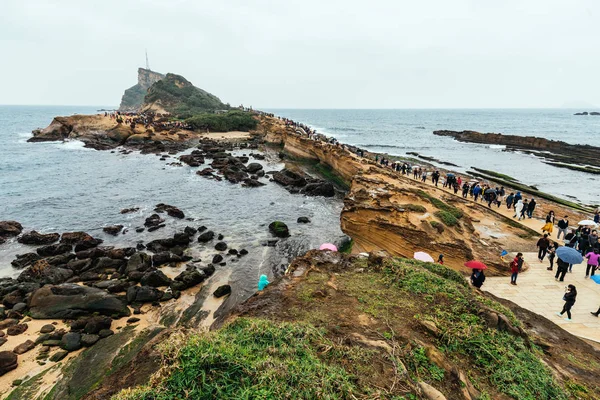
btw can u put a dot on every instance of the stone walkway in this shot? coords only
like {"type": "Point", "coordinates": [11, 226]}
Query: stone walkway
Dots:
{"type": "Point", "coordinates": [537, 291]}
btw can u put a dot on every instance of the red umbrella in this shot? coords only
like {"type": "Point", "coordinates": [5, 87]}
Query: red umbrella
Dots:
{"type": "Point", "coordinates": [475, 265]}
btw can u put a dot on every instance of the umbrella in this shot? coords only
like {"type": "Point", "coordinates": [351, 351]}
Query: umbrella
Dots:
{"type": "Point", "coordinates": [569, 255]}
{"type": "Point", "coordinates": [587, 222]}
{"type": "Point", "coordinates": [450, 175]}
{"type": "Point", "coordinates": [328, 246]}
{"type": "Point", "coordinates": [475, 265]}
{"type": "Point", "coordinates": [490, 191]}
{"type": "Point", "coordinates": [504, 252]}
{"type": "Point", "coordinates": [422, 256]}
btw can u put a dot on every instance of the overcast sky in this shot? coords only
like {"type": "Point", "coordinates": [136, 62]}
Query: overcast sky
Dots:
{"type": "Point", "coordinates": [306, 53]}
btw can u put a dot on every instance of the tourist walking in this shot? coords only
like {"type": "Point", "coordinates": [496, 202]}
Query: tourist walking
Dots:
{"type": "Point", "coordinates": [424, 176]}
{"type": "Point", "coordinates": [477, 278]}
{"type": "Point", "coordinates": [524, 210]}
{"type": "Point", "coordinates": [263, 282]}
{"type": "Point", "coordinates": [477, 191]}
{"type": "Point", "coordinates": [563, 225]}
{"type": "Point", "coordinates": [435, 178]}
{"type": "Point", "coordinates": [531, 208]}
{"type": "Point", "coordinates": [509, 200]}
{"type": "Point", "coordinates": [465, 190]}
{"type": "Point", "coordinates": [549, 226]}
{"type": "Point", "coordinates": [551, 254]}
{"type": "Point", "coordinates": [569, 298]}
{"type": "Point", "coordinates": [515, 267]}
{"type": "Point", "coordinates": [518, 209]}
{"type": "Point", "coordinates": [542, 246]}
{"type": "Point", "coordinates": [561, 270]}
{"type": "Point", "coordinates": [518, 197]}
{"type": "Point", "coordinates": [592, 263]}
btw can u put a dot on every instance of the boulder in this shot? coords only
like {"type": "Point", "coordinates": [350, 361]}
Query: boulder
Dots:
{"type": "Point", "coordinates": [38, 239]}
{"type": "Point", "coordinates": [130, 210]}
{"type": "Point", "coordinates": [221, 291]}
{"type": "Point", "coordinates": [75, 237]}
{"type": "Point", "coordinates": [139, 262]}
{"type": "Point", "coordinates": [70, 301]}
{"type": "Point", "coordinates": [71, 341]}
{"type": "Point", "coordinates": [165, 257]}
{"type": "Point", "coordinates": [155, 278]}
{"type": "Point", "coordinates": [54, 249]}
{"type": "Point", "coordinates": [188, 279]}
{"type": "Point", "coordinates": [79, 265]}
{"type": "Point", "coordinates": [121, 254]}
{"type": "Point", "coordinates": [19, 307]}
{"type": "Point", "coordinates": [47, 328]}
{"type": "Point", "coordinates": [252, 183]}
{"type": "Point", "coordinates": [221, 246]}
{"type": "Point", "coordinates": [24, 347]}
{"type": "Point", "coordinates": [217, 259]}
{"type": "Point", "coordinates": [253, 168]}
{"type": "Point", "coordinates": [319, 189]}
{"type": "Point", "coordinates": [286, 177]}
{"type": "Point", "coordinates": [279, 229]}
{"type": "Point", "coordinates": [16, 329]}
{"type": "Point", "coordinates": [103, 264]}
{"type": "Point", "coordinates": [158, 245]}
{"type": "Point", "coordinates": [60, 259]}
{"type": "Point", "coordinates": [88, 340]}
{"type": "Point", "coordinates": [104, 333]}
{"type": "Point", "coordinates": [88, 244]}
{"type": "Point", "coordinates": [59, 355]}
{"type": "Point", "coordinates": [44, 273]}
{"type": "Point", "coordinates": [182, 239]}
{"type": "Point", "coordinates": [25, 260]}
{"type": "Point", "coordinates": [10, 228]}
{"type": "Point", "coordinates": [8, 323]}
{"type": "Point", "coordinates": [170, 210]}
{"type": "Point", "coordinates": [113, 229]}
{"type": "Point", "coordinates": [303, 220]}
{"type": "Point", "coordinates": [143, 294]}
{"type": "Point", "coordinates": [153, 221]}
{"type": "Point", "coordinates": [188, 230]}
{"type": "Point", "coordinates": [206, 237]}
{"type": "Point", "coordinates": [8, 361]}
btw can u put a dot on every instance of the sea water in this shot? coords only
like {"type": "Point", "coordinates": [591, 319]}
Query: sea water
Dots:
{"type": "Point", "coordinates": [398, 132]}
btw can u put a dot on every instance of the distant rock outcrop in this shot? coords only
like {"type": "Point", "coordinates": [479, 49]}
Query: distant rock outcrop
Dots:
{"type": "Point", "coordinates": [133, 98]}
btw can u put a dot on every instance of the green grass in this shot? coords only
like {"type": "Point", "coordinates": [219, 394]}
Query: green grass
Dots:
{"type": "Point", "coordinates": [230, 121]}
{"type": "Point", "coordinates": [495, 174]}
{"type": "Point", "coordinates": [440, 205]}
{"type": "Point", "coordinates": [420, 366]}
{"type": "Point", "coordinates": [413, 207]}
{"type": "Point", "coordinates": [447, 218]}
{"type": "Point", "coordinates": [255, 359]}
{"type": "Point", "coordinates": [329, 174]}
{"type": "Point", "coordinates": [437, 225]}
{"type": "Point", "coordinates": [589, 170]}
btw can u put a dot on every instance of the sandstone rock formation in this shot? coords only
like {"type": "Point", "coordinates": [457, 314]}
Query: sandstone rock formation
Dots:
{"type": "Point", "coordinates": [133, 98]}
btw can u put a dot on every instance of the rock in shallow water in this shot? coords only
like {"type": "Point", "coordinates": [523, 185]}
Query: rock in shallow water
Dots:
{"type": "Point", "coordinates": [222, 291]}
{"type": "Point", "coordinates": [36, 238]}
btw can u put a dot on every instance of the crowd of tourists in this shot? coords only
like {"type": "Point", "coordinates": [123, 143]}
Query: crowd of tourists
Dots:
{"type": "Point", "coordinates": [148, 120]}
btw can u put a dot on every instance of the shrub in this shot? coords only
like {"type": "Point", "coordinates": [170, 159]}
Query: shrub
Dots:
{"type": "Point", "coordinates": [440, 205]}
{"type": "Point", "coordinates": [447, 218]}
{"type": "Point", "coordinates": [414, 208]}
{"type": "Point", "coordinates": [437, 225]}
{"type": "Point", "coordinates": [230, 121]}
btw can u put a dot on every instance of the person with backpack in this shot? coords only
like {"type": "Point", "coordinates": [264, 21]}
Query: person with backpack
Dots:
{"type": "Point", "coordinates": [477, 278]}
{"type": "Point", "coordinates": [515, 267]}
{"type": "Point", "coordinates": [569, 299]}
{"type": "Point", "coordinates": [542, 246]}
{"type": "Point", "coordinates": [563, 225]}
{"type": "Point", "coordinates": [531, 208]}
{"type": "Point", "coordinates": [509, 200]}
{"type": "Point", "coordinates": [561, 270]}
{"type": "Point", "coordinates": [524, 210]}
{"type": "Point", "coordinates": [551, 254]}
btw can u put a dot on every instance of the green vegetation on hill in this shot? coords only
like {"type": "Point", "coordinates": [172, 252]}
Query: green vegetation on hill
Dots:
{"type": "Point", "coordinates": [234, 120]}
{"type": "Point", "coordinates": [133, 97]}
{"type": "Point", "coordinates": [179, 97]}
{"type": "Point", "coordinates": [363, 339]}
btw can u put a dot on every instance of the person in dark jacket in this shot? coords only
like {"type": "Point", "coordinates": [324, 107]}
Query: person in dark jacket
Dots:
{"type": "Point", "coordinates": [563, 225]}
{"type": "Point", "coordinates": [477, 278]}
{"type": "Point", "coordinates": [561, 270]}
{"type": "Point", "coordinates": [509, 200]}
{"type": "Point", "coordinates": [569, 298]}
{"type": "Point", "coordinates": [524, 209]}
{"type": "Point", "coordinates": [542, 246]}
{"type": "Point", "coordinates": [465, 190]}
{"type": "Point", "coordinates": [518, 197]}
{"type": "Point", "coordinates": [551, 254]}
{"type": "Point", "coordinates": [531, 208]}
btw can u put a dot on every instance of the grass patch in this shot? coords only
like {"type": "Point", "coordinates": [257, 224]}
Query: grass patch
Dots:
{"type": "Point", "coordinates": [589, 170]}
{"type": "Point", "coordinates": [255, 359]}
{"type": "Point", "coordinates": [414, 208]}
{"type": "Point", "coordinates": [447, 218]}
{"type": "Point", "coordinates": [436, 225]}
{"type": "Point", "coordinates": [440, 205]}
{"type": "Point", "coordinates": [420, 366]}
{"type": "Point", "coordinates": [495, 174]}
{"type": "Point", "coordinates": [230, 121]}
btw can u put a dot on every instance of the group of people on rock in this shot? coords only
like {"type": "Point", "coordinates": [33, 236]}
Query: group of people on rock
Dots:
{"type": "Point", "coordinates": [147, 119]}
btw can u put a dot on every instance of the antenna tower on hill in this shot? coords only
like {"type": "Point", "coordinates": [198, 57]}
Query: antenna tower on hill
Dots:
{"type": "Point", "coordinates": [147, 62]}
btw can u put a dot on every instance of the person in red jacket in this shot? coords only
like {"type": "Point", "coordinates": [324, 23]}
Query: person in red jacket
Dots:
{"type": "Point", "coordinates": [515, 267]}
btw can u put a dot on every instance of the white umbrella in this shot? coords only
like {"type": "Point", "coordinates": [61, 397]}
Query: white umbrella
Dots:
{"type": "Point", "coordinates": [587, 222]}
{"type": "Point", "coordinates": [422, 256]}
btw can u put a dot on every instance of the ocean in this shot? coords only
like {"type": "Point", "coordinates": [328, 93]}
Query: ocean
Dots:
{"type": "Point", "coordinates": [61, 187]}
{"type": "Point", "coordinates": [398, 132]}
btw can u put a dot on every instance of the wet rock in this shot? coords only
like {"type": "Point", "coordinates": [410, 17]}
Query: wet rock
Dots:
{"type": "Point", "coordinates": [252, 183]}
{"type": "Point", "coordinates": [279, 229]}
{"type": "Point", "coordinates": [8, 361]}
{"type": "Point", "coordinates": [188, 230]}
{"type": "Point", "coordinates": [8, 323]}
{"type": "Point", "coordinates": [217, 259]}
{"type": "Point", "coordinates": [121, 254]}
{"type": "Point", "coordinates": [104, 333]}
{"type": "Point", "coordinates": [165, 257]}
{"type": "Point", "coordinates": [222, 291]}
{"type": "Point", "coordinates": [118, 286]}
{"type": "Point", "coordinates": [140, 246]}
{"type": "Point", "coordinates": [16, 329]}
{"type": "Point", "coordinates": [170, 210]}
{"type": "Point", "coordinates": [79, 265]}
{"type": "Point", "coordinates": [303, 220]}
{"type": "Point", "coordinates": [206, 237]}
{"type": "Point", "coordinates": [143, 294]}
{"type": "Point", "coordinates": [24, 347]}
{"type": "Point", "coordinates": [70, 301]}
{"type": "Point", "coordinates": [38, 239]}
{"type": "Point", "coordinates": [253, 168]}
{"type": "Point", "coordinates": [153, 220]}
{"type": "Point", "coordinates": [140, 230]}
{"type": "Point", "coordinates": [71, 341]}
{"type": "Point", "coordinates": [286, 177]}
{"type": "Point", "coordinates": [319, 189]}
{"type": "Point", "coordinates": [205, 172]}
{"type": "Point", "coordinates": [155, 278]}
{"type": "Point", "coordinates": [54, 249]}
{"type": "Point", "coordinates": [19, 307]}
{"type": "Point", "coordinates": [51, 342]}
{"type": "Point", "coordinates": [47, 328]}
{"type": "Point", "coordinates": [60, 259]}
{"type": "Point", "coordinates": [188, 279]}
{"type": "Point", "coordinates": [58, 356]}
{"type": "Point", "coordinates": [139, 262]}
{"type": "Point", "coordinates": [155, 228]}
{"type": "Point", "coordinates": [243, 252]}
{"type": "Point", "coordinates": [113, 229]}
{"type": "Point", "coordinates": [133, 320]}
{"type": "Point", "coordinates": [182, 239]}
{"type": "Point", "coordinates": [202, 229]}
{"type": "Point", "coordinates": [232, 252]}
{"type": "Point", "coordinates": [10, 229]}
{"type": "Point", "coordinates": [44, 273]}
{"type": "Point", "coordinates": [221, 246]}
{"type": "Point", "coordinates": [88, 244]}
{"type": "Point", "coordinates": [88, 340]}
{"type": "Point", "coordinates": [130, 210]}
{"type": "Point", "coordinates": [105, 263]}
{"type": "Point", "coordinates": [25, 260]}
{"type": "Point", "coordinates": [3, 340]}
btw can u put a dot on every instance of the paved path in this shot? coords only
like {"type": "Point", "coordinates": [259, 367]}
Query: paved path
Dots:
{"type": "Point", "coordinates": [537, 291]}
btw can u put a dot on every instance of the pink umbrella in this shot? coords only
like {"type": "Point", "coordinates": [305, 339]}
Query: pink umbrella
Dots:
{"type": "Point", "coordinates": [422, 256]}
{"type": "Point", "coordinates": [328, 246]}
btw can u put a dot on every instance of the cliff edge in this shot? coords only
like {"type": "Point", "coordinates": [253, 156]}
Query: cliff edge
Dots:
{"type": "Point", "coordinates": [133, 98]}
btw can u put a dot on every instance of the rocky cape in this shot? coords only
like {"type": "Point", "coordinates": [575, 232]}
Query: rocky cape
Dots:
{"type": "Point", "coordinates": [553, 150]}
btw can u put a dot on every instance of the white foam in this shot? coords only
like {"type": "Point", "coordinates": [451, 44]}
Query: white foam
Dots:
{"type": "Point", "coordinates": [497, 146]}
{"type": "Point", "coordinates": [73, 145]}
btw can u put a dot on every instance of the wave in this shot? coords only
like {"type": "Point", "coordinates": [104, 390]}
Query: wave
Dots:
{"type": "Point", "coordinates": [497, 146]}
{"type": "Point", "coordinates": [73, 145]}
{"type": "Point", "coordinates": [385, 146]}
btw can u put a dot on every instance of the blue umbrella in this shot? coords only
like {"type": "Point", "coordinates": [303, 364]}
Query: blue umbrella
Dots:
{"type": "Point", "coordinates": [569, 255]}
{"type": "Point", "coordinates": [504, 252]}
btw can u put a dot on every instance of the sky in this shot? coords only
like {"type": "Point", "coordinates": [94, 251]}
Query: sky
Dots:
{"type": "Point", "coordinates": [307, 53]}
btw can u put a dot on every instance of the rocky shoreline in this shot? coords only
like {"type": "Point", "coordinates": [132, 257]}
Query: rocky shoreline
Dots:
{"type": "Point", "coordinates": [553, 150]}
